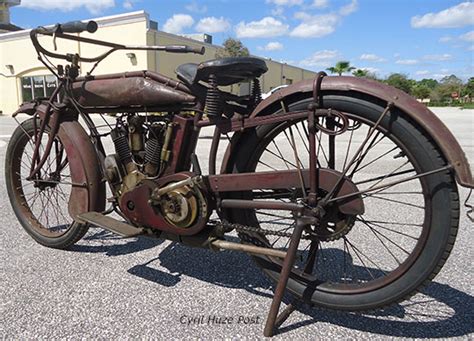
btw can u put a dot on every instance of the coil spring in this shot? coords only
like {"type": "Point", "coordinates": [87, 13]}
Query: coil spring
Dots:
{"type": "Point", "coordinates": [256, 92]}
{"type": "Point", "coordinates": [122, 148]}
{"type": "Point", "coordinates": [213, 97]}
{"type": "Point", "coordinates": [153, 151]}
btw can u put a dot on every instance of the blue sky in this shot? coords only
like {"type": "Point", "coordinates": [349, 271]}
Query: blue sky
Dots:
{"type": "Point", "coordinates": [422, 38]}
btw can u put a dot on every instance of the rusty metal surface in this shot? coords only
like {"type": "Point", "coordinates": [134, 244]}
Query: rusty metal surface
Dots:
{"type": "Point", "coordinates": [287, 179]}
{"type": "Point", "coordinates": [145, 74]}
{"type": "Point", "coordinates": [123, 92]}
{"type": "Point", "coordinates": [433, 126]}
{"type": "Point", "coordinates": [123, 229]}
{"type": "Point", "coordinates": [257, 250]}
{"type": "Point", "coordinates": [184, 142]}
{"type": "Point", "coordinates": [85, 169]}
{"type": "Point", "coordinates": [136, 206]}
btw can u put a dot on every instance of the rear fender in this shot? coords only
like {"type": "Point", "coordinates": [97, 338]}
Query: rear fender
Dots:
{"type": "Point", "coordinates": [416, 111]}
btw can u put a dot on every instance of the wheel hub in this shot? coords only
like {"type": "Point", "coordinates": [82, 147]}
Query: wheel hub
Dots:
{"type": "Point", "coordinates": [336, 219]}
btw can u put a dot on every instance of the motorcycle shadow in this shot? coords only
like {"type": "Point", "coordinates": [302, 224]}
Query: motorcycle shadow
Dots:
{"type": "Point", "coordinates": [227, 269]}
{"type": "Point", "coordinates": [439, 310]}
{"type": "Point", "coordinates": [102, 241]}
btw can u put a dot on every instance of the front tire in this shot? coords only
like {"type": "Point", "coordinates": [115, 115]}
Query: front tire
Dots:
{"type": "Point", "coordinates": [41, 206]}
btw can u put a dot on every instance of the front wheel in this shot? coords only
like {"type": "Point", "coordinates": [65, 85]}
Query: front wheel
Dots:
{"type": "Point", "coordinates": [41, 204]}
{"type": "Point", "coordinates": [364, 261]}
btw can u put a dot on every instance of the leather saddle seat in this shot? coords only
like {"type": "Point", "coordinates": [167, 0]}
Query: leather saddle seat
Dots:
{"type": "Point", "coordinates": [227, 70]}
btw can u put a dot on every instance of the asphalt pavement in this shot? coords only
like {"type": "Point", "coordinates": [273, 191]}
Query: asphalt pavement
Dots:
{"type": "Point", "coordinates": [111, 288]}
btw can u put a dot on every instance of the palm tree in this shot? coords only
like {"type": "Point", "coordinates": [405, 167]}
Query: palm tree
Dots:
{"type": "Point", "coordinates": [341, 67]}
{"type": "Point", "coordinates": [360, 73]}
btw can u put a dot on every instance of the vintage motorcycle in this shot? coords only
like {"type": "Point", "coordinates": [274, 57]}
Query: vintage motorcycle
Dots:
{"type": "Point", "coordinates": [342, 189]}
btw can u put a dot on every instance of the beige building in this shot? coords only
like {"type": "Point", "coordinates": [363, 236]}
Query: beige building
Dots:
{"type": "Point", "coordinates": [23, 77]}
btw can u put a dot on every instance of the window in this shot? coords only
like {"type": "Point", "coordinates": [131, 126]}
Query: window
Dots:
{"type": "Point", "coordinates": [37, 86]}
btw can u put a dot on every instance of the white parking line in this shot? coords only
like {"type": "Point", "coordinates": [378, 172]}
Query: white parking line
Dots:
{"type": "Point", "coordinates": [5, 136]}
{"type": "Point", "coordinates": [2, 144]}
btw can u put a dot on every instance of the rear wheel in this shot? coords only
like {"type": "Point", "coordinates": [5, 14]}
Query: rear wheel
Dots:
{"type": "Point", "coordinates": [368, 260]}
{"type": "Point", "coordinates": [41, 205]}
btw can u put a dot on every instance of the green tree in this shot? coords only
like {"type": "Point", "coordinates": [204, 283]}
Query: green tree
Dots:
{"type": "Point", "coordinates": [232, 48]}
{"type": "Point", "coordinates": [421, 91]}
{"type": "Point", "coordinates": [451, 80]}
{"type": "Point", "coordinates": [400, 81]}
{"type": "Point", "coordinates": [469, 88]}
{"type": "Point", "coordinates": [341, 67]}
{"type": "Point", "coordinates": [428, 82]}
{"type": "Point", "coordinates": [360, 73]}
{"type": "Point", "coordinates": [447, 86]}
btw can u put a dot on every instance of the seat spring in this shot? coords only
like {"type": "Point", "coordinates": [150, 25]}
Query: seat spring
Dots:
{"type": "Point", "coordinates": [213, 97]}
{"type": "Point", "coordinates": [256, 92]}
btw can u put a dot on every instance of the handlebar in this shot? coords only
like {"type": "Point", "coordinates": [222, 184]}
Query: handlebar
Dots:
{"type": "Point", "coordinates": [59, 30]}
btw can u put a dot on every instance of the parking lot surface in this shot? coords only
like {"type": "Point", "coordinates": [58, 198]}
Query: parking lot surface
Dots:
{"type": "Point", "coordinates": [109, 287]}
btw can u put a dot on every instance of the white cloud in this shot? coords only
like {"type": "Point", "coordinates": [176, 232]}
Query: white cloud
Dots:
{"type": "Point", "coordinates": [350, 8]}
{"type": "Point", "coordinates": [407, 61]}
{"type": "Point", "coordinates": [285, 2]}
{"type": "Point", "coordinates": [438, 57]}
{"type": "Point", "coordinates": [456, 16]}
{"type": "Point", "coordinates": [469, 36]}
{"type": "Point", "coordinates": [371, 69]}
{"type": "Point", "coordinates": [320, 3]}
{"type": "Point", "coordinates": [195, 8]}
{"type": "Point", "coordinates": [372, 58]}
{"type": "Point", "coordinates": [272, 46]}
{"type": "Point", "coordinates": [278, 12]}
{"type": "Point", "coordinates": [266, 28]}
{"type": "Point", "coordinates": [445, 39]}
{"type": "Point", "coordinates": [177, 23]}
{"type": "Point", "coordinates": [213, 25]}
{"type": "Point", "coordinates": [127, 4]}
{"type": "Point", "coordinates": [422, 72]}
{"type": "Point", "coordinates": [314, 26]}
{"type": "Point", "coordinates": [440, 75]}
{"type": "Point", "coordinates": [322, 58]}
{"type": "Point", "coordinates": [93, 6]}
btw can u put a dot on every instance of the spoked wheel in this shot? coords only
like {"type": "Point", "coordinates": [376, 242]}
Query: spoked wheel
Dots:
{"type": "Point", "coordinates": [369, 260]}
{"type": "Point", "coordinates": [41, 204]}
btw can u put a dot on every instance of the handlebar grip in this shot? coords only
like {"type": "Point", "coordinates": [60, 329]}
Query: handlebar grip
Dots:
{"type": "Point", "coordinates": [185, 49]}
{"type": "Point", "coordinates": [78, 27]}
{"type": "Point", "coordinates": [199, 50]}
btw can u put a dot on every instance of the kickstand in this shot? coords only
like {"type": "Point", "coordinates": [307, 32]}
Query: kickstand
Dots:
{"type": "Point", "coordinates": [274, 320]}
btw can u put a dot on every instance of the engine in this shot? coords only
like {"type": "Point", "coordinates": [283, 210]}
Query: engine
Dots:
{"type": "Point", "coordinates": [174, 203]}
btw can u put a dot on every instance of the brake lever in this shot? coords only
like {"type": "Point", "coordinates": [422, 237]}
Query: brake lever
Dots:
{"type": "Point", "coordinates": [54, 41]}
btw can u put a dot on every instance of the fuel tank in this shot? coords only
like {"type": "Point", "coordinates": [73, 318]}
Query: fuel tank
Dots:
{"type": "Point", "coordinates": [129, 89]}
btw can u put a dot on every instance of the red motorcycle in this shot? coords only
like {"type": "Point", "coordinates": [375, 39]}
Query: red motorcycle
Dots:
{"type": "Point", "coordinates": [343, 190]}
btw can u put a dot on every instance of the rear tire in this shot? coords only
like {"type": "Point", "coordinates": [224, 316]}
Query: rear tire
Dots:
{"type": "Point", "coordinates": [438, 220]}
{"type": "Point", "coordinates": [40, 209]}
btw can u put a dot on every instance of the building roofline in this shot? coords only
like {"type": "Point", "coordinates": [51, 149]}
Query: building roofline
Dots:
{"type": "Point", "coordinates": [110, 20]}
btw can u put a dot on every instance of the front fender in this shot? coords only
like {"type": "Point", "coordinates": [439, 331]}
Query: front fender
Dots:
{"type": "Point", "coordinates": [85, 169]}
{"type": "Point", "coordinates": [416, 111]}
{"type": "Point", "coordinates": [88, 191]}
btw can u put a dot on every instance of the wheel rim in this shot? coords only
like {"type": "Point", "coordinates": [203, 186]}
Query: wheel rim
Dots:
{"type": "Point", "coordinates": [352, 263]}
{"type": "Point", "coordinates": [43, 202]}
